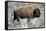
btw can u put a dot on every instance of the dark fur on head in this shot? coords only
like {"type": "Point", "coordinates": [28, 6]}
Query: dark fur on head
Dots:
{"type": "Point", "coordinates": [36, 12]}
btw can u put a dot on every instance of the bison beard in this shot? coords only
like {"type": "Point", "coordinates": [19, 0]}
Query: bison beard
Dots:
{"type": "Point", "coordinates": [36, 13]}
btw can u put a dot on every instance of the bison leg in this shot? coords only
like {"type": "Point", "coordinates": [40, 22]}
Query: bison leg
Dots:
{"type": "Point", "coordinates": [15, 16]}
{"type": "Point", "coordinates": [28, 19]}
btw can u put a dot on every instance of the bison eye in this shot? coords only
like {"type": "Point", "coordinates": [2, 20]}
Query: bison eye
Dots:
{"type": "Point", "coordinates": [36, 13]}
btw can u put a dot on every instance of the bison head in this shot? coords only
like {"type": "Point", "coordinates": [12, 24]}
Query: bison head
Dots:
{"type": "Point", "coordinates": [36, 12]}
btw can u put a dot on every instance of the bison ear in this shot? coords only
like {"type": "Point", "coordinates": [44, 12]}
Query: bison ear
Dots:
{"type": "Point", "coordinates": [36, 12]}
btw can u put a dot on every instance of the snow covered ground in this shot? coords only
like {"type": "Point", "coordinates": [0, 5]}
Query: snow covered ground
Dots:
{"type": "Point", "coordinates": [35, 22]}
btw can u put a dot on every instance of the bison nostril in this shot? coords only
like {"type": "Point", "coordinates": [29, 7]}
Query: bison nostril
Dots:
{"type": "Point", "coordinates": [36, 13]}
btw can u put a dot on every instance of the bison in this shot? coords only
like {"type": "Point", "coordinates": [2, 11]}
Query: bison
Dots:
{"type": "Point", "coordinates": [26, 12]}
